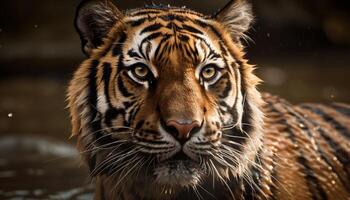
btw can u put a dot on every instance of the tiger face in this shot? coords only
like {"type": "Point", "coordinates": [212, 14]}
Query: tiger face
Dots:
{"type": "Point", "coordinates": [164, 98]}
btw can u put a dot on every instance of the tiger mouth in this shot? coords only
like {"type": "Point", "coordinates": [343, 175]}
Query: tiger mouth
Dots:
{"type": "Point", "coordinates": [178, 171]}
{"type": "Point", "coordinates": [179, 157]}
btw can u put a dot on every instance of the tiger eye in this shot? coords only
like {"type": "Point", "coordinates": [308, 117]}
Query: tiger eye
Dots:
{"type": "Point", "coordinates": [208, 73]}
{"type": "Point", "coordinates": [141, 71]}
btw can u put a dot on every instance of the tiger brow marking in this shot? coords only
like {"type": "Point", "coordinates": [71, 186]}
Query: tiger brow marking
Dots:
{"type": "Point", "coordinates": [147, 39]}
{"type": "Point", "coordinates": [151, 28]}
{"type": "Point", "coordinates": [191, 29]}
{"type": "Point", "coordinates": [132, 53]}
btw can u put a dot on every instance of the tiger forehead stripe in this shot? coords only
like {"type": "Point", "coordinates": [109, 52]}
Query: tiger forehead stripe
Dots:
{"type": "Point", "coordinates": [156, 12]}
{"type": "Point", "coordinates": [166, 16]}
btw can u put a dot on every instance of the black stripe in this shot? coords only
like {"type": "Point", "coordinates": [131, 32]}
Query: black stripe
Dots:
{"type": "Point", "coordinates": [147, 39]}
{"type": "Point", "coordinates": [164, 39]}
{"type": "Point", "coordinates": [205, 25]}
{"type": "Point", "coordinates": [122, 88]}
{"type": "Point", "coordinates": [139, 124]}
{"type": "Point", "coordinates": [132, 53]}
{"type": "Point", "coordinates": [130, 112]}
{"type": "Point", "coordinates": [228, 87]}
{"type": "Point", "coordinates": [111, 114]}
{"type": "Point", "coordinates": [341, 155]}
{"type": "Point", "coordinates": [236, 74]}
{"type": "Point", "coordinates": [314, 185]}
{"type": "Point", "coordinates": [92, 99]}
{"type": "Point", "coordinates": [342, 109]}
{"type": "Point", "coordinates": [138, 22]}
{"type": "Point", "coordinates": [117, 50]}
{"type": "Point", "coordinates": [191, 29]}
{"type": "Point", "coordinates": [339, 127]}
{"type": "Point", "coordinates": [183, 38]}
{"type": "Point", "coordinates": [316, 189]}
{"type": "Point", "coordinates": [253, 189]}
{"type": "Point", "coordinates": [273, 176]}
{"type": "Point", "coordinates": [107, 70]}
{"type": "Point", "coordinates": [172, 17]}
{"type": "Point", "coordinates": [246, 126]}
{"type": "Point", "coordinates": [133, 113]}
{"type": "Point", "coordinates": [153, 27]}
{"type": "Point", "coordinates": [106, 77]}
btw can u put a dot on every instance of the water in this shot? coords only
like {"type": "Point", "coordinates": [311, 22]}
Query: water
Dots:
{"type": "Point", "coordinates": [38, 168]}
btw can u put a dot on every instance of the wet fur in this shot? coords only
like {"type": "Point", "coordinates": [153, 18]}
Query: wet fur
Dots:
{"type": "Point", "coordinates": [279, 150]}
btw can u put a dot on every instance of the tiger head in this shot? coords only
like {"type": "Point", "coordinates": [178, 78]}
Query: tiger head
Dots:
{"type": "Point", "coordinates": [165, 99]}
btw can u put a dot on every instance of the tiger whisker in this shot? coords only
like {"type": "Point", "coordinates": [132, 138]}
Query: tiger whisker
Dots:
{"type": "Point", "coordinates": [221, 179]}
{"type": "Point", "coordinates": [135, 165]}
{"type": "Point", "coordinates": [206, 191]}
{"type": "Point", "coordinates": [103, 146]}
{"type": "Point", "coordinates": [112, 159]}
{"type": "Point", "coordinates": [194, 188]}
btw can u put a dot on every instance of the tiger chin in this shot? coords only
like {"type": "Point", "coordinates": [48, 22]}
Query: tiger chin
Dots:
{"type": "Point", "coordinates": [166, 107]}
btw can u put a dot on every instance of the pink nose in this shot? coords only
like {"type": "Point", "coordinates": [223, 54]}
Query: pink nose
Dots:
{"type": "Point", "coordinates": [183, 129]}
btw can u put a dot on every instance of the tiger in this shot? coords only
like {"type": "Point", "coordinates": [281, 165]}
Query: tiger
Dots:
{"type": "Point", "coordinates": [166, 106]}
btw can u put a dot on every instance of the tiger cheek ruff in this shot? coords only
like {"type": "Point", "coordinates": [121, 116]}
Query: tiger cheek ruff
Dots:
{"type": "Point", "coordinates": [166, 107]}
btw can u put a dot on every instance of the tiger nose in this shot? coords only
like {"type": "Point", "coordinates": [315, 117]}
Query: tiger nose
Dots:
{"type": "Point", "coordinates": [183, 129]}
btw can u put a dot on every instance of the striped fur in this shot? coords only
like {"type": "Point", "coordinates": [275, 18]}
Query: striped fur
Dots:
{"type": "Point", "coordinates": [248, 145]}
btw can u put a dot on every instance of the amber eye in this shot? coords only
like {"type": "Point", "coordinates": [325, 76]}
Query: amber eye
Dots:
{"type": "Point", "coordinates": [208, 73]}
{"type": "Point", "coordinates": [141, 72]}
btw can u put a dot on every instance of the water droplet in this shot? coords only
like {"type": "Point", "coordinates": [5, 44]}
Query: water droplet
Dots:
{"type": "Point", "coordinates": [318, 159]}
{"type": "Point", "coordinates": [335, 158]}
{"type": "Point", "coordinates": [301, 125]}
{"type": "Point", "coordinates": [333, 182]}
{"type": "Point", "coordinates": [329, 168]}
{"type": "Point", "coordinates": [296, 146]}
{"type": "Point", "coordinates": [317, 128]}
{"type": "Point", "coordinates": [10, 115]}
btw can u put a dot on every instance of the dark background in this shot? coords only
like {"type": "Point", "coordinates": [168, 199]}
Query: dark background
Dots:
{"type": "Point", "coordinates": [301, 48]}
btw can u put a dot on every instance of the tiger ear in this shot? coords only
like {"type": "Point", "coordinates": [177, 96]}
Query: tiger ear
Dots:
{"type": "Point", "coordinates": [93, 21]}
{"type": "Point", "coordinates": [236, 16]}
